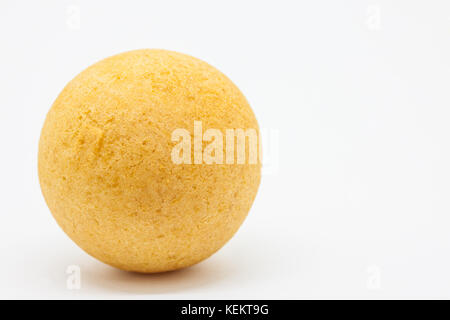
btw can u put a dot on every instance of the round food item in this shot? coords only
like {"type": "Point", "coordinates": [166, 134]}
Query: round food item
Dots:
{"type": "Point", "coordinates": [121, 166]}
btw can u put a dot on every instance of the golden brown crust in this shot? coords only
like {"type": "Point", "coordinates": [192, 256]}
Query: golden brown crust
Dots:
{"type": "Point", "coordinates": [105, 163]}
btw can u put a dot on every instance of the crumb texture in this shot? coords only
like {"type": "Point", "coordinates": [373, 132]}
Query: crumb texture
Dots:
{"type": "Point", "coordinates": [105, 164]}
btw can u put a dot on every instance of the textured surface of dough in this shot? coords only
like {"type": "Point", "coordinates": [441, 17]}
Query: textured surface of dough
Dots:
{"type": "Point", "coordinates": [105, 163]}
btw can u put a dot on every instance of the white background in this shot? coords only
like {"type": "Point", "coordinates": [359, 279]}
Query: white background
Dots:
{"type": "Point", "coordinates": [359, 94]}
